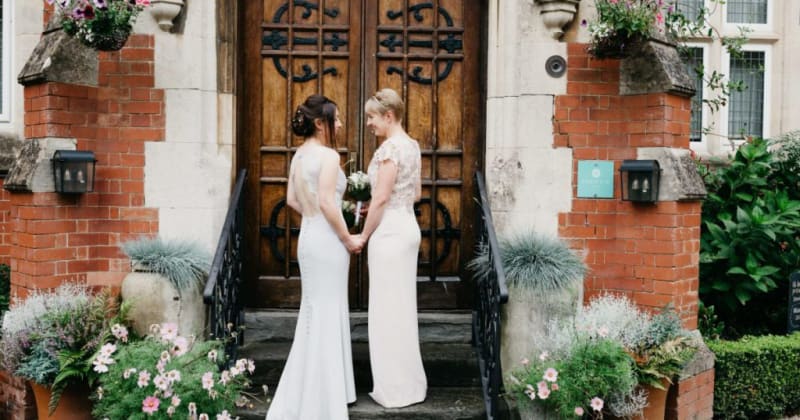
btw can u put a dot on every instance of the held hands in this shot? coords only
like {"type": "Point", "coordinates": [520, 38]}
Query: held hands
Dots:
{"type": "Point", "coordinates": [354, 243]}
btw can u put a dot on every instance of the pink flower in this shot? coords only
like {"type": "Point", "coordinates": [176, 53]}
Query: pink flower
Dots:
{"type": "Point", "coordinates": [544, 393]}
{"type": "Point", "coordinates": [554, 387]}
{"type": "Point", "coordinates": [550, 375]}
{"type": "Point", "coordinates": [207, 380]}
{"type": "Point", "coordinates": [169, 331]}
{"type": "Point", "coordinates": [180, 346]}
{"type": "Point", "coordinates": [659, 18]}
{"type": "Point", "coordinates": [142, 2]}
{"type": "Point", "coordinates": [525, 362]}
{"type": "Point", "coordinates": [544, 356]}
{"type": "Point", "coordinates": [144, 379]}
{"type": "Point", "coordinates": [224, 415]}
{"type": "Point", "coordinates": [150, 405]}
{"type": "Point", "coordinates": [578, 411]}
{"type": "Point", "coordinates": [596, 403]}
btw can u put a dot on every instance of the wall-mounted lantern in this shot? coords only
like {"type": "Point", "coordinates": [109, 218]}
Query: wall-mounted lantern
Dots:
{"type": "Point", "coordinates": [73, 171]}
{"type": "Point", "coordinates": [639, 180]}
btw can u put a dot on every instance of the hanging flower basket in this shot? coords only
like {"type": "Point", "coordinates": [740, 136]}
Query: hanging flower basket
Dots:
{"type": "Point", "coordinates": [113, 40]}
{"type": "Point", "coordinates": [104, 25]}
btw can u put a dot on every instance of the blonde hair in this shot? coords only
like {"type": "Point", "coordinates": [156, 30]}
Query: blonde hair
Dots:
{"type": "Point", "coordinates": [386, 100]}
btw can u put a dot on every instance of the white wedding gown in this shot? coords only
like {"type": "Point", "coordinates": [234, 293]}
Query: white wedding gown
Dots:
{"type": "Point", "coordinates": [317, 381]}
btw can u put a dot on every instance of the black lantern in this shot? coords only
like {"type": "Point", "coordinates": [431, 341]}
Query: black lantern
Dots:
{"type": "Point", "coordinates": [73, 171]}
{"type": "Point", "coordinates": [639, 179]}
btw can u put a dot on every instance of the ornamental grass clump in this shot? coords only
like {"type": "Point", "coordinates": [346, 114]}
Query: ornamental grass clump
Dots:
{"type": "Point", "coordinates": [534, 263]}
{"type": "Point", "coordinates": [185, 264]}
{"type": "Point", "coordinates": [168, 376]}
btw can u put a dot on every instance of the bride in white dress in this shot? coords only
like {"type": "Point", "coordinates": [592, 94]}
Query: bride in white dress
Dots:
{"type": "Point", "coordinates": [394, 173]}
{"type": "Point", "coordinates": [317, 381]}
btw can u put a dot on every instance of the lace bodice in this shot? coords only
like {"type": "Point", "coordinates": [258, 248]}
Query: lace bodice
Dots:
{"type": "Point", "coordinates": [405, 154]}
{"type": "Point", "coordinates": [305, 169]}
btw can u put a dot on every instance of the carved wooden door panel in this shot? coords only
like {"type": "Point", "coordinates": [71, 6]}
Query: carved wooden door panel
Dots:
{"type": "Point", "coordinates": [346, 50]}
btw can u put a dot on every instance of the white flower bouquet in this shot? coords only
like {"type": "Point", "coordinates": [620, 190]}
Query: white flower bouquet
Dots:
{"type": "Point", "coordinates": [359, 189]}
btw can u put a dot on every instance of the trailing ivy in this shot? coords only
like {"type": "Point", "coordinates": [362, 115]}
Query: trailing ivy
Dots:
{"type": "Point", "coordinates": [750, 225]}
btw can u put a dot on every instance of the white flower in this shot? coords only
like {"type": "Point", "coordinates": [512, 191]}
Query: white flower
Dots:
{"type": "Point", "coordinates": [235, 371]}
{"type": "Point", "coordinates": [180, 346]}
{"type": "Point", "coordinates": [596, 403]}
{"type": "Point", "coordinates": [99, 367]}
{"type": "Point", "coordinates": [224, 415]}
{"type": "Point", "coordinates": [174, 375]}
{"type": "Point", "coordinates": [202, 416]}
{"type": "Point", "coordinates": [192, 408]}
{"type": "Point", "coordinates": [99, 392]}
{"type": "Point", "coordinates": [128, 372]}
{"type": "Point", "coordinates": [155, 329]}
{"type": "Point", "coordinates": [225, 377]}
{"type": "Point", "coordinates": [169, 331]}
{"type": "Point", "coordinates": [602, 332]}
{"type": "Point", "coordinates": [212, 393]}
{"type": "Point", "coordinates": [108, 349]}
{"type": "Point", "coordinates": [241, 401]}
{"type": "Point", "coordinates": [207, 380]}
{"type": "Point", "coordinates": [120, 332]}
{"type": "Point", "coordinates": [165, 356]}
{"type": "Point", "coordinates": [550, 375]}
{"type": "Point", "coordinates": [212, 355]}
{"type": "Point", "coordinates": [251, 366]}
{"type": "Point", "coordinates": [175, 401]}
{"type": "Point", "coordinates": [144, 379]}
{"type": "Point", "coordinates": [161, 382]}
{"type": "Point", "coordinates": [544, 356]}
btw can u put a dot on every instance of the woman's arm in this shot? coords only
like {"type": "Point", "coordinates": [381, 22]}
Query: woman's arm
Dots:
{"type": "Point", "coordinates": [387, 175]}
{"type": "Point", "coordinates": [328, 176]}
{"type": "Point", "coordinates": [418, 187]}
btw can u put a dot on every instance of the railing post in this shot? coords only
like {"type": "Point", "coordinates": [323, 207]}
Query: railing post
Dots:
{"type": "Point", "coordinates": [490, 294]}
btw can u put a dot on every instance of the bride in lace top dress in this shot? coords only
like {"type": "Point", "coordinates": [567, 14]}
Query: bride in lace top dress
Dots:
{"type": "Point", "coordinates": [394, 238]}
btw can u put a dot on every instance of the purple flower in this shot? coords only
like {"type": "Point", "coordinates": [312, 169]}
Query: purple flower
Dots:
{"type": "Point", "coordinates": [584, 23]}
{"type": "Point", "coordinates": [101, 4]}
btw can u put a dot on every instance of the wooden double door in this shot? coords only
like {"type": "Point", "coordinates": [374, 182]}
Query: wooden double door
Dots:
{"type": "Point", "coordinates": [428, 51]}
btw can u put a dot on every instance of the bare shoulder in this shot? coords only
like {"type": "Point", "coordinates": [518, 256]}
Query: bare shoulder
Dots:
{"type": "Point", "coordinates": [329, 155]}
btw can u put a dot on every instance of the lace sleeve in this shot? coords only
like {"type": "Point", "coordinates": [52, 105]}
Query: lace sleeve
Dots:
{"type": "Point", "coordinates": [387, 151]}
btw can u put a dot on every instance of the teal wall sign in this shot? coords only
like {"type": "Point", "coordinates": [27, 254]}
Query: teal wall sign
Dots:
{"type": "Point", "coordinates": [595, 179]}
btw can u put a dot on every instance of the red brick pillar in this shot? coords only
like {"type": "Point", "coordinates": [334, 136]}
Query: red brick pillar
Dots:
{"type": "Point", "coordinates": [56, 238]}
{"type": "Point", "coordinates": [649, 253]}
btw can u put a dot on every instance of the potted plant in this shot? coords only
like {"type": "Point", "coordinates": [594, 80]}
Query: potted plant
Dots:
{"type": "Point", "coordinates": [658, 344]}
{"type": "Point", "coordinates": [544, 278]}
{"type": "Point", "coordinates": [167, 375]}
{"type": "Point", "coordinates": [166, 284]}
{"type": "Point", "coordinates": [100, 24]}
{"type": "Point", "coordinates": [50, 338]}
{"type": "Point", "coordinates": [576, 383]}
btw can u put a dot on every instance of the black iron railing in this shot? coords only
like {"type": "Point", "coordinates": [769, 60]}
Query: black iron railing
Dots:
{"type": "Point", "coordinates": [221, 295]}
{"type": "Point", "coordinates": [490, 293]}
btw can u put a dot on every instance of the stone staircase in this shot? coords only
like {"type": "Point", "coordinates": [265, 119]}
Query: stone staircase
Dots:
{"type": "Point", "coordinates": [454, 390]}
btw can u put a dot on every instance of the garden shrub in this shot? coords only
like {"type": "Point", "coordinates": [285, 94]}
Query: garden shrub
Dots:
{"type": "Point", "coordinates": [757, 377]}
{"type": "Point", "coordinates": [748, 244]}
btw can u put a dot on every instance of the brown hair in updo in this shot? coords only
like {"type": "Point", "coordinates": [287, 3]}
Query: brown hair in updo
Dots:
{"type": "Point", "coordinates": [316, 107]}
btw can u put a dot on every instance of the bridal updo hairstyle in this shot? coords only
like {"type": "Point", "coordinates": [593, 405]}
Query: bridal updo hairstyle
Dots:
{"type": "Point", "coordinates": [386, 100]}
{"type": "Point", "coordinates": [315, 107]}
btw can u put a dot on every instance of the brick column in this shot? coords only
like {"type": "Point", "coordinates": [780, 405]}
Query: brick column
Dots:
{"type": "Point", "coordinates": [649, 253]}
{"type": "Point", "coordinates": [56, 238]}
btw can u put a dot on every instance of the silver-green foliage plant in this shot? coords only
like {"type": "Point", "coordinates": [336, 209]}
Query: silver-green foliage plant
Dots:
{"type": "Point", "coordinates": [184, 263]}
{"type": "Point", "coordinates": [533, 262]}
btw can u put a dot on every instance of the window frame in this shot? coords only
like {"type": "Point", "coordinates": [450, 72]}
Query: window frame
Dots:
{"type": "Point", "coordinates": [5, 61]}
{"type": "Point", "coordinates": [705, 118]}
{"type": "Point", "coordinates": [767, 102]}
{"type": "Point", "coordinates": [731, 27]}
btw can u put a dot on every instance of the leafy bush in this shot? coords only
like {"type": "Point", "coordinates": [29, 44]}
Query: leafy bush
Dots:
{"type": "Point", "coordinates": [169, 376]}
{"type": "Point", "coordinates": [757, 377]}
{"type": "Point", "coordinates": [750, 223]}
{"type": "Point", "coordinates": [594, 371]}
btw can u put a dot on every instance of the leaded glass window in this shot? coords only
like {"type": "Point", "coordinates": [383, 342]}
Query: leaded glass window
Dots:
{"type": "Point", "coordinates": [693, 57]}
{"type": "Point", "coordinates": [746, 108]}
{"type": "Point", "coordinates": [747, 11]}
{"type": "Point", "coordinates": [691, 8]}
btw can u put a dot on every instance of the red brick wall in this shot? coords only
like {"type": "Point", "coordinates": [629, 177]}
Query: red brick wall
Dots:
{"type": "Point", "coordinates": [649, 253]}
{"type": "Point", "coordinates": [59, 237]}
{"type": "Point", "coordinates": [51, 238]}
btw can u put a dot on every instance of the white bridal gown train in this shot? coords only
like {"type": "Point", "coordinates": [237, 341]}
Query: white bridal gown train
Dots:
{"type": "Point", "coordinates": [317, 381]}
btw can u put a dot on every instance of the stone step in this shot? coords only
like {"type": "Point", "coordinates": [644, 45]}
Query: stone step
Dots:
{"type": "Point", "coordinates": [434, 327]}
{"type": "Point", "coordinates": [446, 364]}
{"type": "Point", "coordinates": [440, 404]}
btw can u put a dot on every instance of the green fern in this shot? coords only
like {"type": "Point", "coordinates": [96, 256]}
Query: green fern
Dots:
{"type": "Point", "coordinates": [184, 263]}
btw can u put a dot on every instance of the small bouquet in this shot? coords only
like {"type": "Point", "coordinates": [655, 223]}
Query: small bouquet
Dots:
{"type": "Point", "coordinates": [101, 24]}
{"type": "Point", "coordinates": [359, 189]}
{"type": "Point", "coordinates": [349, 213]}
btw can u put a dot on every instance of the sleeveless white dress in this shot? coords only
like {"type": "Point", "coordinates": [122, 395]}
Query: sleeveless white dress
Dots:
{"type": "Point", "coordinates": [317, 381]}
{"type": "Point", "coordinates": [397, 372]}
